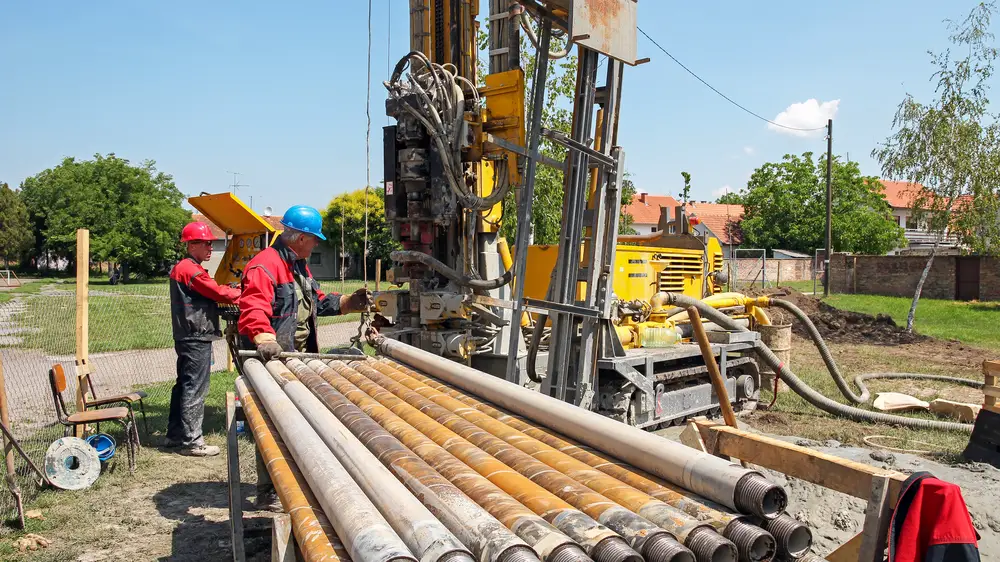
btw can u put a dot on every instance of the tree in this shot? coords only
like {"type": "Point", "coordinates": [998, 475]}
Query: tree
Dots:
{"type": "Point", "coordinates": [134, 213]}
{"type": "Point", "coordinates": [784, 206]}
{"type": "Point", "coordinates": [951, 146]}
{"type": "Point", "coordinates": [730, 198]}
{"type": "Point", "coordinates": [625, 219]}
{"type": "Point", "coordinates": [345, 217]}
{"type": "Point", "coordinates": [686, 192]}
{"type": "Point", "coordinates": [15, 228]}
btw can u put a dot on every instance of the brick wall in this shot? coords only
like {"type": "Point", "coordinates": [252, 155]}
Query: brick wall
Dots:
{"type": "Point", "coordinates": [897, 276]}
{"type": "Point", "coordinates": [989, 279]}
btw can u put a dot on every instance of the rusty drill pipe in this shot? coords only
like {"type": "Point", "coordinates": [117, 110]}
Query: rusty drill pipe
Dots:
{"type": "Point", "coordinates": [548, 542]}
{"type": "Point", "coordinates": [365, 533]}
{"type": "Point", "coordinates": [488, 539]}
{"type": "Point", "coordinates": [707, 475]}
{"type": "Point", "coordinates": [314, 535]}
{"type": "Point", "coordinates": [753, 543]}
{"type": "Point", "coordinates": [574, 480]}
{"type": "Point", "coordinates": [423, 533]}
{"type": "Point", "coordinates": [602, 544]}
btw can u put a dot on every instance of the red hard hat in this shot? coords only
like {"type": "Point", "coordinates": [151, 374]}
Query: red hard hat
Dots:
{"type": "Point", "coordinates": [196, 231]}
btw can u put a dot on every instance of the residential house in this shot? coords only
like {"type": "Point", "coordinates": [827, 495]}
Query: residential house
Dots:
{"type": "Point", "coordinates": [645, 211]}
{"type": "Point", "coordinates": [719, 220]}
{"type": "Point", "coordinates": [322, 262]}
{"type": "Point", "coordinates": [900, 196]}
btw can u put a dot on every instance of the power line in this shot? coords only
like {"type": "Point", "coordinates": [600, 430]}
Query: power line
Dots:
{"type": "Point", "coordinates": [724, 96]}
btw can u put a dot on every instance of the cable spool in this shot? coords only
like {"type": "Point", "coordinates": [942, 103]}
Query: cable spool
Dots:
{"type": "Point", "coordinates": [104, 444]}
{"type": "Point", "coordinates": [72, 464]}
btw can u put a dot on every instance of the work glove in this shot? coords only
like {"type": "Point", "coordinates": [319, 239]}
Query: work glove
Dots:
{"type": "Point", "coordinates": [357, 301]}
{"type": "Point", "coordinates": [269, 350]}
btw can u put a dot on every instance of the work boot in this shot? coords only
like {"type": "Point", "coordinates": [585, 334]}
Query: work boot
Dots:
{"type": "Point", "coordinates": [169, 443]}
{"type": "Point", "coordinates": [199, 451]}
{"type": "Point", "coordinates": [268, 501]}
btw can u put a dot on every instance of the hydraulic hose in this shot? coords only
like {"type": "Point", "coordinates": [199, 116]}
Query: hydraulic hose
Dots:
{"type": "Point", "coordinates": [410, 256]}
{"type": "Point", "coordinates": [831, 365]}
{"type": "Point", "coordinates": [807, 392]}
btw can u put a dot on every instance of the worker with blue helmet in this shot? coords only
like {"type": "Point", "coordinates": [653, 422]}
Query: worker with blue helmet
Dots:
{"type": "Point", "coordinates": [280, 303]}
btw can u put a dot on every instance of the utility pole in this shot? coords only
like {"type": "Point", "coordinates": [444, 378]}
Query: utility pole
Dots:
{"type": "Point", "coordinates": [829, 207]}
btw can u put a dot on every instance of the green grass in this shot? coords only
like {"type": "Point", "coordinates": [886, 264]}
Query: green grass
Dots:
{"type": "Point", "coordinates": [972, 323]}
{"type": "Point", "coordinates": [803, 286]}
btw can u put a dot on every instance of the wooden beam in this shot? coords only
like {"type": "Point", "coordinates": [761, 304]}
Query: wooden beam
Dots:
{"type": "Point", "coordinates": [874, 537]}
{"type": "Point", "coordinates": [849, 477]}
{"type": "Point", "coordinates": [847, 552]}
{"type": "Point", "coordinates": [8, 447]}
{"type": "Point", "coordinates": [82, 320]}
{"type": "Point", "coordinates": [378, 274]}
{"type": "Point", "coordinates": [282, 542]}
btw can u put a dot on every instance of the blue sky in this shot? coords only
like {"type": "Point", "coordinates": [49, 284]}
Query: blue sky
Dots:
{"type": "Point", "coordinates": [277, 92]}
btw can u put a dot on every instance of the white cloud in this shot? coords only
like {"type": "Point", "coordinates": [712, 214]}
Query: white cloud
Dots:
{"type": "Point", "coordinates": [748, 150]}
{"type": "Point", "coordinates": [722, 191]}
{"type": "Point", "coordinates": [810, 114]}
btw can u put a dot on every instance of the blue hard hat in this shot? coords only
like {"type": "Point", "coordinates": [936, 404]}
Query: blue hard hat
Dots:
{"type": "Point", "coordinates": [304, 219]}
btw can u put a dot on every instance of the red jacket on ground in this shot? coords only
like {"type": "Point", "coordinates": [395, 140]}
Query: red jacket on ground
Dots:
{"type": "Point", "coordinates": [269, 305]}
{"type": "Point", "coordinates": [931, 523]}
{"type": "Point", "coordinates": [193, 298]}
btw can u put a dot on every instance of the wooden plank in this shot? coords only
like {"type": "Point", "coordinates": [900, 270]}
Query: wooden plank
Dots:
{"type": "Point", "coordinates": [282, 542]}
{"type": "Point", "coordinates": [991, 391]}
{"type": "Point", "coordinates": [849, 477]}
{"type": "Point", "coordinates": [847, 552]}
{"type": "Point", "coordinates": [378, 274]}
{"type": "Point", "coordinates": [991, 367]}
{"type": "Point", "coordinates": [874, 536]}
{"type": "Point", "coordinates": [82, 319]}
{"type": "Point", "coordinates": [233, 468]}
{"type": "Point", "coordinates": [993, 408]}
{"type": "Point", "coordinates": [990, 380]}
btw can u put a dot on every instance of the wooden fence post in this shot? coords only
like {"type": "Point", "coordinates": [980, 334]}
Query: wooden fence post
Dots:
{"type": "Point", "coordinates": [378, 273]}
{"type": "Point", "coordinates": [82, 319]}
{"type": "Point", "coordinates": [5, 420]}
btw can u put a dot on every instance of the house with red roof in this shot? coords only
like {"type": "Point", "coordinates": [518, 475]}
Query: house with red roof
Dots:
{"type": "Point", "coordinates": [720, 220]}
{"type": "Point", "coordinates": [901, 196]}
{"type": "Point", "coordinates": [645, 210]}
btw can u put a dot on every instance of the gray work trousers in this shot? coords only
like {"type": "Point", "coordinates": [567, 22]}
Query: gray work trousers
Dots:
{"type": "Point", "coordinates": [187, 399]}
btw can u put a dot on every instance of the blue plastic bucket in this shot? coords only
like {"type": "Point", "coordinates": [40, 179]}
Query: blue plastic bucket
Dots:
{"type": "Point", "coordinates": [104, 444]}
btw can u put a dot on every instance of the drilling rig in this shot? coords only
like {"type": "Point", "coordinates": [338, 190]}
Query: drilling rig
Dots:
{"type": "Point", "coordinates": [584, 320]}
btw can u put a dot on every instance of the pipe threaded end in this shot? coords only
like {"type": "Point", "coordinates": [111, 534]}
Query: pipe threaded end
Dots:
{"type": "Point", "coordinates": [569, 553]}
{"type": "Point", "coordinates": [753, 543]}
{"type": "Point", "coordinates": [614, 549]}
{"type": "Point", "coordinates": [758, 496]}
{"type": "Point", "coordinates": [709, 546]}
{"type": "Point", "coordinates": [457, 556]}
{"type": "Point", "coordinates": [793, 537]}
{"type": "Point", "coordinates": [665, 548]}
{"type": "Point", "coordinates": [519, 554]}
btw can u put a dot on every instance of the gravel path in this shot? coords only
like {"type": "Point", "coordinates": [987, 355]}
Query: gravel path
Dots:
{"type": "Point", "coordinates": [30, 397]}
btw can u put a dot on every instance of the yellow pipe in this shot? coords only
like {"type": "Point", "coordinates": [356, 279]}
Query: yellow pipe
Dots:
{"type": "Point", "coordinates": [315, 536]}
{"type": "Point", "coordinates": [508, 262]}
{"type": "Point", "coordinates": [575, 471]}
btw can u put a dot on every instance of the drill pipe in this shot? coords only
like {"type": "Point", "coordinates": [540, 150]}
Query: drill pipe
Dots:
{"type": "Point", "coordinates": [795, 537]}
{"type": "Point", "coordinates": [366, 534]}
{"type": "Point", "coordinates": [423, 533]}
{"type": "Point", "coordinates": [547, 541]}
{"type": "Point", "coordinates": [753, 543]}
{"type": "Point", "coordinates": [601, 543]}
{"type": "Point", "coordinates": [313, 532]}
{"type": "Point", "coordinates": [487, 537]}
{"type": "Point", "coordinates": [571, 483]}
{"type": "Point", "coordinates": [707, 475]}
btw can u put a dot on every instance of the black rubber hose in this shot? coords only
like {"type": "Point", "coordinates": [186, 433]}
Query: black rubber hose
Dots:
{"type": "Point", "coordinates": [804, 390]}
{"type": "Point", "coordinates": [409, 256]}
{"type": "Point", "coordinates": [831, 365]}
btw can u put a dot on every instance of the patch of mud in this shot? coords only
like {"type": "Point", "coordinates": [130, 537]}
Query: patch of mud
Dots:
{"type": "Point", "coordinates": [841, 326]}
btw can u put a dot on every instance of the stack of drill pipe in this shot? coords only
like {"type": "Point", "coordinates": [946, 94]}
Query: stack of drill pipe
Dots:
{"type": "Point", "coordinates": [600, 543]}
{"type": "Point", "coordinates": [632, 514]}
{"type": "Point", "coordinates": [423, 533]}
{"type": "Point", "coordinates": [409, 453]}
{"type": "Point", "coordinates": [754, 543]}
{"type": "Point", "coordinates": [315, 536]}
{"type": "Point", "coordinates": [731, 485]}
{"type": "Point", "coordinates": [363, 530]}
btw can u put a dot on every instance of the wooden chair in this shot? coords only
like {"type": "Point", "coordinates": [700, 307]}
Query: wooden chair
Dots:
{"type": "Point", "coordinates": [93, 402]}
{"type": "Point", "coordinates": [120, 414]}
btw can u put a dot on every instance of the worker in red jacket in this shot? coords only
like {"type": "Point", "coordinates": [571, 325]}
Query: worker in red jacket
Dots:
{"type": "Point", "coordinates": [195, 318]}
{"type": "Point", "coordinates": [281, 300]}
